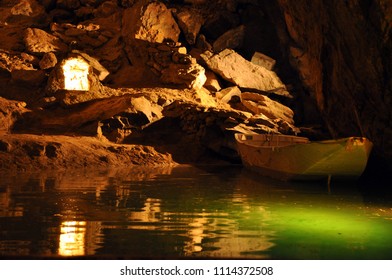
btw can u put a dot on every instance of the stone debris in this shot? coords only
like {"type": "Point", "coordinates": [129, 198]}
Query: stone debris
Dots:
{"type": "Point", "coordinates": [152, 22]}
{"type": "Point", "coordinates": [142, 43]}
{"type": "Point", "coordinates": [258, 103]}
{"type": "Point", "coordinates": [38, 41]}
{"type": "Point", "coordinates": [172, 64]}
{"type": "Point", "coordinates": [10, 112]}
{"type": "Point", "coordinates": [97, 67]}
{"type": "Point", "coordinates": [212, 82]}
{"type": "Point", "coordinates": [49, 60]}
{"type": "Point", "coordinates": [263, 60]}
{"type": "Point", "coordinates": [190, 22]}
{"type": "Point", "coordinates": [234, 68]}
{"type": "Point", "coordinates": [228, 94]}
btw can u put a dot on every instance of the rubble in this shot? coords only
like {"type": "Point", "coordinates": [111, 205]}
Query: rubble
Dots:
{"type": "Point", "coordinates": [200, 90]}
{"type": "Point", "coordinates": [263, 60]}
{"type": "Point", "coordinates": [234, 68]}
{"type": "Point", "coordinates": [38, 42]}
{"type": "Point", "coordinates": [190, 22]}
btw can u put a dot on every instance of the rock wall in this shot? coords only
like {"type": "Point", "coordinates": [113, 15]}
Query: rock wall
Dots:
{"type": "Point", "coordinates": [342, 52]}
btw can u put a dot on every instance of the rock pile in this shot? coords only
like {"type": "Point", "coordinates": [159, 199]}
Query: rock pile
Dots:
{"type": "Point", "coordinates": [140, 43]}
{"type": "Point", "coordinates": [173, 65]}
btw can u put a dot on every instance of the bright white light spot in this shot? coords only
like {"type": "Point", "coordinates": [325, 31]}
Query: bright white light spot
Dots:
{"type": "Point", "coordinates": [72, 238]}
{"type": "Point", "coordinates": [76, 74]}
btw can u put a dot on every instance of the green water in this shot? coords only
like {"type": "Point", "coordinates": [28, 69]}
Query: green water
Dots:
{"type": "Point", "coordinates": [189, 212]}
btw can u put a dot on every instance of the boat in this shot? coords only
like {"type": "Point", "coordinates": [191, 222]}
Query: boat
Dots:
{"type": "Point", "coordinates": [289, 157]}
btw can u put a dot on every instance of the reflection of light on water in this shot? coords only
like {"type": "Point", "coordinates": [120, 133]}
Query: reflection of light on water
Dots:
{"type": "Point", "coordinates": [72, 238]}
{"type": "Point", "coordinates": [196, 235]}
{"type": "Point", "coordinates": [239, 230]}
{"type": "Point", "coordinates": [148, 213]}
{"type": "Point", "coordinates": [6, 210]}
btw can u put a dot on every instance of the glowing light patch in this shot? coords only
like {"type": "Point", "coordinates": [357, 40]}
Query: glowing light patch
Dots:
{"type": "Point", "coordinates": [72, 238]}
{"type": "Point", "coordinates": [76, 72]}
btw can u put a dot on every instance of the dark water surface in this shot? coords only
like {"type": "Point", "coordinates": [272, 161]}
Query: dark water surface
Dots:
{"type": "Point", "coordinates": [189, 212]}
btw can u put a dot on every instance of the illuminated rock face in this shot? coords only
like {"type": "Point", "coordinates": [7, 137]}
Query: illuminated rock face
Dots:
{"type": "Point", "coordinates": [76, 72]}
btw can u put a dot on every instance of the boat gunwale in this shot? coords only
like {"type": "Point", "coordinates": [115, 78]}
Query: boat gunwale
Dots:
{"type": "Point", "coordinates": [345, 143]}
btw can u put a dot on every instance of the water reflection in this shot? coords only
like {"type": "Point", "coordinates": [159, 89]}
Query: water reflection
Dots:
{"type": "Point", "coordinates": [186, 212]}
{"type": "Point", "coordinates": [72, 238]}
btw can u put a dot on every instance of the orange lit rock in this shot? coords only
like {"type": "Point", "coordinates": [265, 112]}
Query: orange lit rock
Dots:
{"type": "Point", "coordinates": [258, 103]}
{"type": "Point", "coordinates": [10, 112]}
{"type": "Point", "coordinates": [38, 41]}
{"type": "Point", "coordinates": [234, 68]}
{"type": "Point", "coordinates": [190, 75]}
{"type": "Point", "coordinates": [190, 22]}
{"type": "Point", "coordinates": [49, 60]}
{"type": "Point", "coordinates": [152, 22]}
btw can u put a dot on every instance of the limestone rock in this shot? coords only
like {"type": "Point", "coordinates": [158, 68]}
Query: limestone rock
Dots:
{"type": "Point", "coordinates": [10, 112]}
{"type": "Point", "coordinates": [204, 97]}
{"type": "Point", "coordinates": [27, 13]}
{"type": "Point", "coordinates": [191, 75]}
{"type": "Point", "coordinates": [27, 8]}
{"type": "Point", "coordinates": [202, 43]}
{"type": "Point", "coordinates": [151, 111]}
{"type": "Point", "coordinates": [234, 68]}
{"type": "Point", "coordinates": [231, 39]}
{"type": "Point", "coordinates": [97, 67]}
{"type": "Point", "coordinates": [258, 103]}
{"type": "Point", "coordinates": [11, 38]}
{"type": "Point", "coordinates": [68, 4]}
{"type": "Point", "coordinates": [49, 60]}
{"type": "Point", "coordinates": [38, 41]}
{"type": "Point", "coordinates": [190, 22]}
{"type": "Point", "coordinates": [212, 83]}
{"type": "Point", "coordinates": [226, 95]}
{"type": "Point", "coordinates": [263, 60]}
{"type": "Point", "coordinates": [106, 9]}
{"type": "Point", "coordinates": [10, 61]}
{"type": "Point", "coordinates": [59, 152]}
{"type": "Point", "coordinates": [152, 22]}
{"type": "Point", "coordinates": [31, 77]}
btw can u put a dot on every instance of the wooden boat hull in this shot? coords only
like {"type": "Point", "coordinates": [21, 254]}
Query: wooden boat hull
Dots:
{"type": "Point", "coordinates": [296, 158]}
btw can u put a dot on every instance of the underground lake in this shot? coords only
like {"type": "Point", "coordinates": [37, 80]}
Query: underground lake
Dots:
{"type": "Point", "coordinates": [188, 212]}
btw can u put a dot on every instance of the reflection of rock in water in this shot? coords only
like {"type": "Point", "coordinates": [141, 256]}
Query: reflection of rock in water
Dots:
{"type": "Point", "coordinates": [81, 178]}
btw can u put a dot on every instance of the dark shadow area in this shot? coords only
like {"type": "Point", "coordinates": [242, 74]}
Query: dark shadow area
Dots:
{"type": "Point", "coordinates": [167, 136]}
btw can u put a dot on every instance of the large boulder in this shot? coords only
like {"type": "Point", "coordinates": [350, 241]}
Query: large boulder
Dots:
{"type": "Point", "coordinates": [26, 13]}
{"type": "Point", "coordinates": [10, 112]}
{"type": "Point", "coordinates": [38, 41]}
{"type": "Point", "coordinates": [190, 22]}
{"type": "Point", "coordinates": [234, 68]}
{"type": "Point", "coordinates": [152, 22]}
